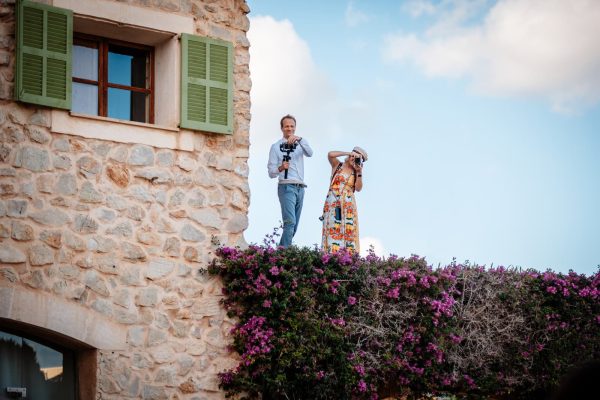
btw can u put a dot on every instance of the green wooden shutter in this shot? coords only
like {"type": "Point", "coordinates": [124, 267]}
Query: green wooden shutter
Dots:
{"type": "Point", "coordinates": [44, 47]}
{"type": "Point", "coordinates": [206, 84]}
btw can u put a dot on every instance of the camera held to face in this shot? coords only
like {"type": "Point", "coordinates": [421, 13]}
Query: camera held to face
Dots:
{"type": "Point", "coordinates": [357, 161]}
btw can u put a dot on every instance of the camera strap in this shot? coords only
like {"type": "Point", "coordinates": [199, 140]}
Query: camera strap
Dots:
{"type": "Point", "coordinates": [337, 170]}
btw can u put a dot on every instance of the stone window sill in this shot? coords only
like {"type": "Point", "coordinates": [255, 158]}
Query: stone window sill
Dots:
{"type": "Point", "coordinates": [103, 128]}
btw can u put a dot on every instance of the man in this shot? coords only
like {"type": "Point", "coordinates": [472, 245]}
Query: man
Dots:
{"type": "Point", "coordinates": [291, 187]}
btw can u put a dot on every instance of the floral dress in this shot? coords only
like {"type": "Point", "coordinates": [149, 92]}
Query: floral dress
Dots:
{"type": "Point", "coordinates": [343, 232]}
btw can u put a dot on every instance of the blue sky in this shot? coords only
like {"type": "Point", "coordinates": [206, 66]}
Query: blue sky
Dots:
{"type": "Point", "coordinates": [481, 119]}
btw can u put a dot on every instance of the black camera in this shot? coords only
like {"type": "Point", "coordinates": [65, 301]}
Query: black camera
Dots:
{"type": "Point", "coordinates": [357, 161]}
{"type": "Point", "coordinates": [287, 148]}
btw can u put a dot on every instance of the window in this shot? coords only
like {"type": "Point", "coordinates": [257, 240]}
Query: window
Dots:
{"type": "Point", "coordinates": [33, 370]}
{"type": "Point", "coordinates": [96, 73]}
{"type": "Point", "coordinates": [113, 79]}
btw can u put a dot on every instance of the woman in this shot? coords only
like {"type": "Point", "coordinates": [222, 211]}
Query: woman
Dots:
{"type": "Point", "coordinates": [340, 217]}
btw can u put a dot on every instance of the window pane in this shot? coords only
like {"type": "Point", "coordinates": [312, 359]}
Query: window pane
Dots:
{"type": "Point", "coordinates": [11, 348]}
{"type": "Point", "coordinates": [85, 98]}
{"type": "Point", "coordinates": [127, 66]}
{"type": "Point", "coordinates": [48, 361]}
{"type": "Point", "coordinates": [46, 373]}
{"type": "Point", "coordinates": [139, 107]}
{"type": "Point", "coordinates": [125, 104]}
{"type": "Point", "coordinates": [119, 103]}
{"type": "Point", "coordinates": [85, 62]}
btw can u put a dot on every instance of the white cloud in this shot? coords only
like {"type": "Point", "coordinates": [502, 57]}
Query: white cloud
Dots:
{"type": "Point", "coordinates": [355, 17]}
{"type": "Point", "coordinates": [367, 242]}
{"type": "Point", "coordinates": [454, 15]}
{"type": "Point", "coordinates": [416, 8]}
{"type": "Point", "coordinates": [285, 79]}
{"type": "Point", "coordinates": [454, 12]}
{"type": "Point", "coordinates": [537, 48]}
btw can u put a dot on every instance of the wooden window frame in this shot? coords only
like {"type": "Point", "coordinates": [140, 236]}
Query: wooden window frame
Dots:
{"type": "Point", "coordinates": [103, 44]}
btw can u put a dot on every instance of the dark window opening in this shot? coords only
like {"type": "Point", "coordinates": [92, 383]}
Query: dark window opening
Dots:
{"type": "Point", "coordinates": [45, 364]}
{"type": "Point", "coordinates": [33, 370]}
{"type": "Point", "coordinates": [113, 79]}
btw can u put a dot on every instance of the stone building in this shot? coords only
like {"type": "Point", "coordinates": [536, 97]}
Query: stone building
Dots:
{"type": "Point", "coordinates": [124, 139]}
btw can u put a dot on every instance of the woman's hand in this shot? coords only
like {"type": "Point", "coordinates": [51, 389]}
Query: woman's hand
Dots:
{"type": "Point", "coordinates": [357, 167]}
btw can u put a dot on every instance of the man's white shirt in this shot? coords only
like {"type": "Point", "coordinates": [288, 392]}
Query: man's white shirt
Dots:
{"type": "Point", "coordinates": [296, 168]}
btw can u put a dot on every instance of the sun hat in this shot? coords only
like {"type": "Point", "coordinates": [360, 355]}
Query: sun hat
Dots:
{"type": "Point", "coordinates": [362, 152]}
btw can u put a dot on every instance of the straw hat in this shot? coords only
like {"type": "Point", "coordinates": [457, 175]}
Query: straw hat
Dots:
{"type": "Point", "coordinates": [362, 152]}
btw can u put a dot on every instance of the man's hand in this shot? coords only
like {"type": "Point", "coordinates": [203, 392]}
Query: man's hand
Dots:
{"type": "Point", "coordinates": [293, 139]}
{"type": "Point", "coordinates": [284, 165]}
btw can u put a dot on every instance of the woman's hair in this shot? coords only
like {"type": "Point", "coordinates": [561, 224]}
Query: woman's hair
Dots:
{"type": "Point", "coordinates": [361, 151]}
{"type": "Point", "coordinates": [287, 116]}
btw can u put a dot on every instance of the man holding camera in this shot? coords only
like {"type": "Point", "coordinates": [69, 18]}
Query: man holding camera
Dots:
{"type": "Point", "coordinates": [286, 162]}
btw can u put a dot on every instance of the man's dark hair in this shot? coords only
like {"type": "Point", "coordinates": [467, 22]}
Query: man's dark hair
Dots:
{"type": "Point", "coordinates": [288, 116]}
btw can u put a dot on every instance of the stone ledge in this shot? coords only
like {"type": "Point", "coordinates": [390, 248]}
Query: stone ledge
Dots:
{"type": "Point", "coordinates": [128, 14]}
{"type": "Point", "coordinates": [58, 315]}
{"type": "Point", "coordinates": [121, 131]}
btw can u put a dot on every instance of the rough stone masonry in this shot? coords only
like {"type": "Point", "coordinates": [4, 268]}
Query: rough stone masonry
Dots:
{"type": "Point", "coordinates": [125, 231]}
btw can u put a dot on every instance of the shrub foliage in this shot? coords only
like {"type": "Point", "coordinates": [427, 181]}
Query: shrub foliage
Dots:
{"type": "Point", "coordinates": [321, 326]}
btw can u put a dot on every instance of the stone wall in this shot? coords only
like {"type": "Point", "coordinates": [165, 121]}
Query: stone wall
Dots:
{"type": "Point", "coordinates": [126, 231]}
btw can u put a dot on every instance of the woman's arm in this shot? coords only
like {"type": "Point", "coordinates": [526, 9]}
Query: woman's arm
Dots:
{"type": "Point", "coordinates": [333, 155]}
{"type": "Point", "coordinates": [358, 183]}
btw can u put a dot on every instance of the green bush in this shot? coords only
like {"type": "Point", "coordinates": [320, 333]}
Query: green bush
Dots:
{"type": "Point", "coordinates": [321, 326]}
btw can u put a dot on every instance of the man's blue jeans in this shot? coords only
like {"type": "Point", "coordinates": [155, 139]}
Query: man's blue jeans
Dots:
{"type": "Point", "coordinates": [291, 197]}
